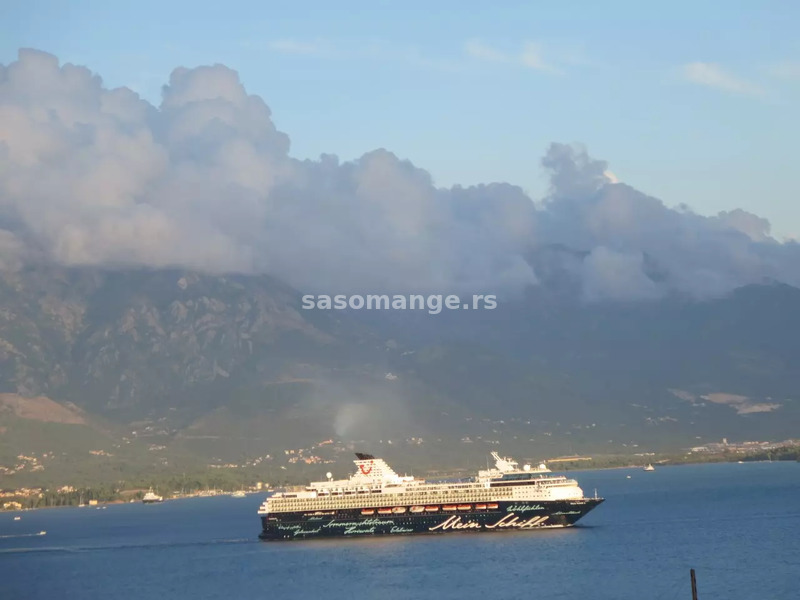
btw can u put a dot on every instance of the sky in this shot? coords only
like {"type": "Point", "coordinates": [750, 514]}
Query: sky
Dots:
{"type": "Point", "coordinates": [689, 102]}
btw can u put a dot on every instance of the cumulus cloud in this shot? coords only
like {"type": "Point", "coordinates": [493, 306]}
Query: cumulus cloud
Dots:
{"type": "Point", "coordinates": [98, 176]}
{"type": "Point", "coordinates": [677, 250]}
{"type": "Point", "coordinates": [612, 275]}
{"type": "Point", "coordinates": [93, 176]}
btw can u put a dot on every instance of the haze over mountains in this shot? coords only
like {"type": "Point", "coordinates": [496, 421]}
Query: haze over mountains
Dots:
{"type": "Point", "coordinates": [152, 261]}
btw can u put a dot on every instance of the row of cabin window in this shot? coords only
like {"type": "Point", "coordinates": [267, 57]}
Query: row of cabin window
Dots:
{"type": "Point", "coordinates": [413, 494]}
{"type": "Point", "coordinates": [324, 503]}
{"type": "Point", "coordinates": [404, 496]}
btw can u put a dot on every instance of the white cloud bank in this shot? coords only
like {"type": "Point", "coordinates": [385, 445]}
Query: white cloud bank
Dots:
{"type": "Point", "coordinates": [91, 176]}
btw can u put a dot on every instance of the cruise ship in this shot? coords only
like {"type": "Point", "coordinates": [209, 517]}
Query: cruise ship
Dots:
{"type": "Point", "coordinates": [375, 500]}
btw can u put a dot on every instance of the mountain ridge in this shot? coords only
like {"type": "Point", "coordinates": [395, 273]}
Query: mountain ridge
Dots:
{"type": "Point", "coordinates": [191, 349]}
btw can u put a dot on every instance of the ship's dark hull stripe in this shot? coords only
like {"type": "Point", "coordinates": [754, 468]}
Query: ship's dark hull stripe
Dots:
{"type": "Point", "coordinates": [509, 516]}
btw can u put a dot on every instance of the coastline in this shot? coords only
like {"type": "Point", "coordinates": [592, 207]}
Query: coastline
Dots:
{"type": "Point", "coordinates": [101, 505]}
{"type": "Point", "coordinates": [665, 461]}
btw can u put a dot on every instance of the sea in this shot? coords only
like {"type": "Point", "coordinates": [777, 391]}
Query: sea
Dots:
{"type": "Point", "coordinates": [736, 525]}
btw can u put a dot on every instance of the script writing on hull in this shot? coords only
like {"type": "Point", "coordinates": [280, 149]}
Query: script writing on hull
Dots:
{"type": "Point", "coordinates": [523, 508]}
{"type": "Point", "coordinates": [509, 521]}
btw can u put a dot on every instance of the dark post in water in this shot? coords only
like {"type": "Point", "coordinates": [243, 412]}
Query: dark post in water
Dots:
{"type": "Point", "coordinates": [694, 585]}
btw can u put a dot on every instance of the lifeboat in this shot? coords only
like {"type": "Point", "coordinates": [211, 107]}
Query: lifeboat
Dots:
{"type": "Point", "coordinates": [384, 511]}
{"type": "Point", "coordinates": [367, 511]}
{"type": "Point", "coordinates": [492, 506]}
{"type": "Point", "coordinates": [449, 507]}
{"type": "Point", "coordinates": [417, 509]}
{"type": "Point", "coordinates": [464, 507]}
{"type": "Point", "coordinates": [431, 509]}
{"type": "Point", "coordinates": [398, 510]}
{"type": "Point", "coordinates": [480, 507]}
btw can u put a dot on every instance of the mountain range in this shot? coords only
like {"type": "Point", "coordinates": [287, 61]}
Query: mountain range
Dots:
{"type": "Point", "coordinates": [222, 366]}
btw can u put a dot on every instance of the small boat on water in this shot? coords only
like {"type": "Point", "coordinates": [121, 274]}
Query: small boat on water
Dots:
{"type": "Point", "coordinates": [649, 468]}
{"type": "Point", "coordinates": [238, 494]}
{"type": "Point", "coordinates": [17, 518]}
{"type": "Point", "coordinates": [151, 498]}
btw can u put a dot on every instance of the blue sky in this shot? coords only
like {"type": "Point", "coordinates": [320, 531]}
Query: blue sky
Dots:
{"type": "Point", "coordinates": [692, 102]}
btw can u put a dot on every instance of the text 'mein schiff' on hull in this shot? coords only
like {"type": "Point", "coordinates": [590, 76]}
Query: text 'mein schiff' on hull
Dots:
{"type": "Point", "coordinates": [378, 501]}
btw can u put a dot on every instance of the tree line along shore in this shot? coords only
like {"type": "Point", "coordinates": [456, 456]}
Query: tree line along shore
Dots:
{"type": "Point", "coordinates": [204, 483]}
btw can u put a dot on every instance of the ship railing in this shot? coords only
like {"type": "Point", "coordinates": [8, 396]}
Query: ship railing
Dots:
{"type": "Point", "coordinates": [306, 504]}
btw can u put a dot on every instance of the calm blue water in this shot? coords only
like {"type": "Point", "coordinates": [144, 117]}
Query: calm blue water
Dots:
{"type": "Point", "coordinates": [737, 525]}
